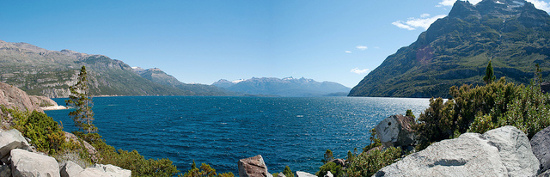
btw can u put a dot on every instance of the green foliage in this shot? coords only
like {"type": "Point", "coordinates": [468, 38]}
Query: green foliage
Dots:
{"type": "Point", "coordinates": [489, 74]}
{"type": "Point", "coordinates": [366, 164]}
{"type": "Point", "coordinates": [79, 98]}
{"type": "Point", "coordinates": [409, 113]}
{"type": "Point", "coordinates": [130, 160]}
{"type": "Point", "coordinates": [287, 172]}
{"type": "Point", "coordinates": [204, 171]}
{"type": "Point", "coordinates": [335, 169]}
{"type": "Point", "coordinates": [45, 133]}
{"type": "Point", "coordinates": [328, 156]}
{"type": "Point", "coordinates": [374, 141]}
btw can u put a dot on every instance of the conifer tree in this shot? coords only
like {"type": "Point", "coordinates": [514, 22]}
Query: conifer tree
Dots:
{"type": "Point", "coordinates": [80, 99]}
{"type": "Point", "coordinates": [489, 74]}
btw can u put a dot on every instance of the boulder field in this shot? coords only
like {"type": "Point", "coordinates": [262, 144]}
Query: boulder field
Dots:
{"type": "Point", "coordinates": [20, 160]}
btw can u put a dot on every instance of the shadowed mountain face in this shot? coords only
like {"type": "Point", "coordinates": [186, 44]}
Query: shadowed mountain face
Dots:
{"type": "Point", "coordinates": [456, 49]}
{"type": "Point", "coordinates": [50, 73]}
{"type": "Point", "coordinates": [288, 87]}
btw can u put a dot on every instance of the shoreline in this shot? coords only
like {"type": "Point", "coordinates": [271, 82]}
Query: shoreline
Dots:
{"type": "Point", "coordinates": [49, 108]}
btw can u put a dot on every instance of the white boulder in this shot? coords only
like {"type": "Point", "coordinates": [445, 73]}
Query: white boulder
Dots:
{"type": "Point", "coordinates": [503, 151]}
{"type": "Point", "coordinates": [29, 164]}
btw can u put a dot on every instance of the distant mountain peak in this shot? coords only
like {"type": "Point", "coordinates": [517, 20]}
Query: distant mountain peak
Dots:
{"type": "Point", "coordinates": [288, 86]}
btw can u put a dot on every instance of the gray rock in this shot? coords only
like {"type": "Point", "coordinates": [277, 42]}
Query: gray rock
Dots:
{"type": "Point", "coordinates": [540, 143]}
{"type": "Point", "coordinates": [304, 174]}
{"type": "Point", "coordinates": [253, 166]}
{"type": "Point", "coordinates": [11, 139]}
{"type": "Point", "coordinates": [396, 131]}
{"type": "Point", "coordinates": [503, 151]}
{"type": "Point", "coordinates": [15, 98]}
{"type": "Point", "coordinates": [114, 171]}
{"type": "Point", "coordinates": [329, 174]}
{"type": "Point", "coordinates": [28, 164]}
{"type": "Point", "coordinates": [71, 169]}
{"type": "Point", "coordinates": [544, 174]}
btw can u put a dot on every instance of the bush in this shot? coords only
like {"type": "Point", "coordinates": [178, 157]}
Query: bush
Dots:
{"type": "Point", "coordinates": [287, 172]}
{"type": "Point", "coordinates": [45, 133]}
{"type": "Point", "coordinates": [367, 164]}
{"type": "Point", "coordinates": [335, 169]}
{"type": "Point", "coordinates": [204, 171]}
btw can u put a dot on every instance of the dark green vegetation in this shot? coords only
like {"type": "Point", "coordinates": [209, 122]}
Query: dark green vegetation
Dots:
{"type": "Point", "coordinates": [83, 116]}
{"type": "Point", "coordinates": [204, 171]}
{"type": "Point", "coordinates": [50, 73]}
{"type": "Point", "coordinates": [456, 49]}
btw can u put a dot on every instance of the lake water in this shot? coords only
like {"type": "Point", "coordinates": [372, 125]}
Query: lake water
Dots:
{"type": "Point", "coordinates": [221, 130]}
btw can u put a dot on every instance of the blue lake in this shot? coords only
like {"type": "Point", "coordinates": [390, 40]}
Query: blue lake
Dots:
{"type": "Point", "coordinates": [221, 130]}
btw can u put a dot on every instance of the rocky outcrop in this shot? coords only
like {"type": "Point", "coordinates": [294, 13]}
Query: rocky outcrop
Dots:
{"type": "Point", "coordinates": [396, 131]}
{"type": "Point", "coordinates": [253, 167]}
{"type": "Point", "coordinates": [69, 137]}
{"type": "Point", "coordinates": [42, 101]}
{"type": "Point", "coordinates": [71, 169]}
{"type": "Point", "coordinates": [26, 164]}
{"type": "Point", "coordinates": [304, 174]}
{"type": "Point", "coordinates": [540, 143]}
{"type": "Point", "coordinates": [500, 152]}
{"type": "Point", "coordinates": [14, 98]}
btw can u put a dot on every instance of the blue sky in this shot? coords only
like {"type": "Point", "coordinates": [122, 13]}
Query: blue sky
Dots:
{"type": "Point", "coordinates": [202, 41]}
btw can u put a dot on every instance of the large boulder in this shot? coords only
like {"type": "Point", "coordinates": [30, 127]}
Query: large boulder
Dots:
{"type": "Point", "coordinates": [503, 151]}
{"type": "Point", "coordinates": [396, 131]}
{"type": "Point", "coordinates": [540, 143]}
{"type": "Point", "coordinates": [253, 167]}
{"type": "Point", "coordinates": [70, 169]}
{"type": "Point", "coordinates": [29, 164]}
{"type": "Point", "coordinates": [9, 140]}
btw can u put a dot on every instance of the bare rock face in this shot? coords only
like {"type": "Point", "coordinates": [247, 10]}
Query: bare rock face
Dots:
{"type": "Point", "coordinates": [396, 131]}
{"type": "Point", "coordinates": [91, 150]}
{"type": "Point", "coordinates": [15, 98]}
{"type": "Point", "coordinates": [503, 151]}
{"type": "Point", "coordinates": [72, 169]}
{"type": "Point", "coordinates": [29, 164]}
{"type": "Point", "coordinates": [42, 101]}
{"type": "Point", "coordinates": [540, 143]}
{"type": "Point", "coordinates": [253, 167]}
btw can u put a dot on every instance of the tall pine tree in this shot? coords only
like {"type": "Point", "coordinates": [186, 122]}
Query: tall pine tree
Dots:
{"type": "Point", "coordinates": [489, 74]}
{"type": "Point", "coordinates": [80, 99]}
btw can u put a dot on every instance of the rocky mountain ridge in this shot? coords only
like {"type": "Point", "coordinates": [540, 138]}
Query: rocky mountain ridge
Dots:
{"type": "Point", "coordinates": [50, 73]}
{"type": "Point", "coordinates": [289, 87]}
{"type": "Point", "coordinates": [455, 50]}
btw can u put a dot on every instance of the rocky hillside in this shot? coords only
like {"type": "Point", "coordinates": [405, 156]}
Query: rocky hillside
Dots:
{"type": "Point", "coordinates": [50, 73]}
{"type": "Point", "coordinates": [290, 87]}
{"type": "Point", "coordinates": [456, 49]}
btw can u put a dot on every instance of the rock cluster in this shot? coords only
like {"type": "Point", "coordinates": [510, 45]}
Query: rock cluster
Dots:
{"type": "Point", "coordinates": [15, 98]}
{"type": "Point", "coordinates": [504, 151]}
{"type": "Point", "coordinates": [18, 160]}
{"type": "Point", "coordinates": [396, 131]}
{"type": "Point", "coordinates": [253, 166]}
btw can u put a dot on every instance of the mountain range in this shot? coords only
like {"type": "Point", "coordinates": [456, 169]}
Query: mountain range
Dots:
{"type": "Point", "coordinates": [287, 87]}
{"type": "Point", "coordinates": [50, 73]}
{"type": "Point", "coordinates": [455, 50]}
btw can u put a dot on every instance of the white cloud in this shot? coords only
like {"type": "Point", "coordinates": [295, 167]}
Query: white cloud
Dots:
{"type": "Point", "coordinates": [359, 71]}
{"type": "Point", "coordinates": [540, 5]}
{"type": "Point", "coordinates": [414, 23]}
{"type": "Point", "coordinates": [347, 51]}
{"type": "Point", "coordinates": [401, 25]}
{"type": "Point", "coordinates": [362, 47]}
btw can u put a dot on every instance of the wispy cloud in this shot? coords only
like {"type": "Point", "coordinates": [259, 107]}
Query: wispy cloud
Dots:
{"type": "Point", "coordinates": [452, 2]}
{"type": "Point", "coordinates": [347, 51]}
{"type": "Point", "coordinates": [413, 23]}
{"type": "Point", "coordinates": [359, 71]}
{"type": "Point", "coordinates": [362, 47]}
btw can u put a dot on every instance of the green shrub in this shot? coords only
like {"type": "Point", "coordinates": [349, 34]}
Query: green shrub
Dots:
{"type": "Point", "coordinates": [45, 133]}
{"type": "Point", "coordinates": [287, 172]}
{"type": "Point", "coordinates": [335, 169]}
{"type": "Point", "coordinates": [367, 164]}
{"type": "Point", "coordinates": [204, 171]}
